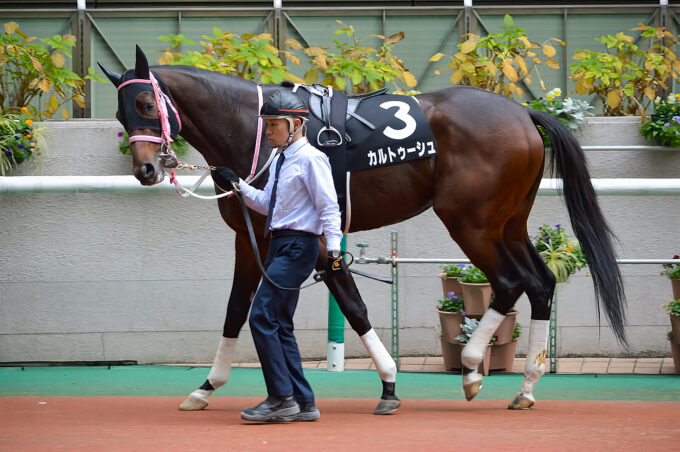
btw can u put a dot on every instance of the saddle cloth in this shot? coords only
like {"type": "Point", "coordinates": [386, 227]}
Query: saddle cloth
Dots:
{"type": "Point", "coordinates": [363, 132]}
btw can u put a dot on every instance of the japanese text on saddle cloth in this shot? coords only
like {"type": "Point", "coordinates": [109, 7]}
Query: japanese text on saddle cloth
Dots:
{"type": "Point", "coordinates": [364, 132]}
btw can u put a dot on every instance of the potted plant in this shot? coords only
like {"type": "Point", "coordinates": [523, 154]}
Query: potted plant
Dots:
{"type": "Point", "coordinates": [450, 276]}
{"type": "Point", "coordinates": [673, 310]}
{"type": "Point", "coordinates": [673, 272]}
{"type": "Point", "coordinates": [664, 126]}
{"type": "Point", "coordinates": [477, 291]}
{"type": "Point", "coordinates": [562, 255]}
{"type": "Point", "coordinates": [451, 314]}
{"type": "Point", "coordinates": [497, 356]}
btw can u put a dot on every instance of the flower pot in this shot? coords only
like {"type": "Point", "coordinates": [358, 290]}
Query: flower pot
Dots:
{"type": "Point", "coordinates": [503, 333]}
{"type": "Point", "coordinates": [450, 284]}
{"type": "Point", "coordinates": [451, 355]}
{"type": "Point", "coordinates": [675, 327]}
{"type": "Point", "coordinates": [450, 323]}
{"type": "Point", "coordinates": [476, 297]}
{"type": "Point", "coordinates": [675, 283]}
{"type": "Point", "coordinates": [502, 356]}
{"type": "Point", "coordinates": [675, 350]}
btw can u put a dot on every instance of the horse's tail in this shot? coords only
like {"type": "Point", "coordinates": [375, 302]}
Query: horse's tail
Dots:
{"type": "Point", "coordinates": [568, 162]}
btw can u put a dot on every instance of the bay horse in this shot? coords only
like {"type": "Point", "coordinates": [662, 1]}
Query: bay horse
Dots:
{"type": "Point", "coordinates": [482, 185]}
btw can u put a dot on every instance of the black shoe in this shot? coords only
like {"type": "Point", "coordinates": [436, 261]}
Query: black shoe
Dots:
{"type": "Point", "coordinates": [273, 409]}
{"type": "Point", "coordinates": [308, 412]}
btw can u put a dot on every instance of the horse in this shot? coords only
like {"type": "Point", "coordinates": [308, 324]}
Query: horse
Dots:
{"type": "Point", "coordinates": [481, 184]}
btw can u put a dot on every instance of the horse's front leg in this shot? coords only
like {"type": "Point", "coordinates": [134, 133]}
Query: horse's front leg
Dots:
{"type": "Point", "coordinates": [342, 286]}
{"type": "Point", "coordinates": [246, 279]}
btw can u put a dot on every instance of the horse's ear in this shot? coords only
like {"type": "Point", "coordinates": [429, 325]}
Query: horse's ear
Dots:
{"type": "Point", "coordinates": [141, 65]}
{"type": "Point", "coordinates": [115, 78]}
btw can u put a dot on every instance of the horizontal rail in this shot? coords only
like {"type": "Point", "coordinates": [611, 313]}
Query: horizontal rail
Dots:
{"type": "Point", "coordinates": [129, 185]}
{"type": "Point", "coordinates": [414, 260]}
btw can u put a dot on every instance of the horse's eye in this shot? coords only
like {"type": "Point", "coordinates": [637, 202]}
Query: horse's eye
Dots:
{"type": "Point", "coordinates": [148, 107]}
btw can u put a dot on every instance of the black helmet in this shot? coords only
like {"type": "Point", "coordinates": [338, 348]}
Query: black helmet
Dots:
{"type": "Point", "coordinates": [284, 103]}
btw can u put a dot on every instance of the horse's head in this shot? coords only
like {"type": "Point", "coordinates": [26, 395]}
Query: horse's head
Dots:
{"type": "Point", "coordinates": [146, 110]}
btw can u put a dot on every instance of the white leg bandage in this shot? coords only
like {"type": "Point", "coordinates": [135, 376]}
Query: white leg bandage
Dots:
{"type": "Point", "coordinates": [221, 367]}
{"type": "Point", "coordinates": [387, 369]}
{"type": "Point", "coordinates": [473, 352]}
{"type": "Point", "coordinates": [536, 356]}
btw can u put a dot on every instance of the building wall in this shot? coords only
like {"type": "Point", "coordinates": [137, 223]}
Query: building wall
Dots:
{"type": "Point", "coordinates": [146, 277]}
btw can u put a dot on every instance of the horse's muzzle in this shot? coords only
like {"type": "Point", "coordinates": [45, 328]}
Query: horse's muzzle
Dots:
{"type": "Point", "coordinates": [147, 174]}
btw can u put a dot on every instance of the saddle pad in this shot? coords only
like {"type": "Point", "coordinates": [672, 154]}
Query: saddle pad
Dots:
{"type": "Point", "coordinates": [401, 133]}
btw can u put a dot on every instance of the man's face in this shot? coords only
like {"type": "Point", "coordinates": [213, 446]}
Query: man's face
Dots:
{"type": "Point", "coordinates": [277, 131]}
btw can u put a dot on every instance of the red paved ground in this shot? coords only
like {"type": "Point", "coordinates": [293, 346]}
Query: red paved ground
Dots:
{"type": "Point", "coordinates": [154, 423]}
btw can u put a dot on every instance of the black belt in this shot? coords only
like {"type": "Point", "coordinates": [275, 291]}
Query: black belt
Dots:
{"type": "Point", "coordinates": [276, 233]}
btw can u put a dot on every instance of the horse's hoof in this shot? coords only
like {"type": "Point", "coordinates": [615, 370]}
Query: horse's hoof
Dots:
{"type": "Point", "coordinates": [521, 402]}
{"type": "Point", "coordinates": [387, 406]}
{"type": "Point", "coordinates": [193, 403]}
{"type": "Point", "coordinates": [472, 383]}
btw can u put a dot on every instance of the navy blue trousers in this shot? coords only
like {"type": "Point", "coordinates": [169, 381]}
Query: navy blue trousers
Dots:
{"type": "Point", "coordinates": [289, 262]}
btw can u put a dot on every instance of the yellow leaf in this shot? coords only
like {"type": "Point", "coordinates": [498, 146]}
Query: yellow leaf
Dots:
{"type": "Point", "coordinates": [468, 46]}
{"type": "Point", "coordinates": [58, 60]}
{"type": "Point", "coordinates": [519, 61]}
{"type": "Point", "coordinates": [295, 60]}
{"type": "Point", "coordinates": [510, 72]}
{"type": "Point", "coordinates": [580, 87]}
{"type": "Point", "coordinates": [493, 70]}
{"type": "Point", "coordinates": [11, 27]}
{"type": "Point", "coordinates": [322, 62]}
{"type": "Point", "coordinates": [395, 38]}
{"type": "Point", "coordinates": [468, 67]}
{"type": "Point", "coordinates": [65, 114]}
{"type": "Point", "coordinates": [410, 80]}
{"type": "Point", "coordinates": [3, 59]}
{"type": "Point", "coordinates": [293, 44]}
{"type": "Point", "coordinates": [315, 51]}
{"type": "Point", "coordinates": [559, 40]}
{"type": "Point", "coordinates": [54, 103]}
{"type": "Point", "coordinates": [543, 86]}
{"type": "Point", "coordinates": [579, 55]}
{"type": "Point", "coordinates": [519, 91]}
{"type": "Point", "coordinates": [36, 64]}
{"type": "Point", "coordinates": [166, 58]}
{"type": "Point", "coordinates": [548, 50]}
{"type": "Point", "coordinates": [650, 92]}
{"type": "Point", "coordinates": [552, 64]}
{"type": "Point", "coordinates": [528, 80]}
{"type": "Point", "coordinates": [44, 85]}
{"type": "Point", "coordinates": [531, 54]}
{"type": "Point", "coordinates": [456, 77]}
{"type": "Point", "coordinates": [625, 38]}
{"type": "Point", "coordinates": [437, 56]}
{"type": "Point", "coordinates": [80, 100]}
{"type": "Point", "coordinates": [311, 76]}
{"type": "Point", "coordinates": [613, 99]}
{"type": "Point", "coordinates": [528, 44]}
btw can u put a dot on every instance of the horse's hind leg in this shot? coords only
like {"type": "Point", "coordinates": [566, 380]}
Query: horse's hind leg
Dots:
{"type": "Point", "coordinates": [539, 292]}
{"type": "Point", "coordinates": [246, 279]}
{"type": "Point", "coordinates": [341, 284]}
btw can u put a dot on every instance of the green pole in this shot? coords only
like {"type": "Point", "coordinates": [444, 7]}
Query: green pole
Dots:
{"type": "Point", "coordinates": [336, 329]}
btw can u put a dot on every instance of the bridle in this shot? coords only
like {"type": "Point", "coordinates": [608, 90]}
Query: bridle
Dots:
{"type": "Point", "coordinates": [167, 154]}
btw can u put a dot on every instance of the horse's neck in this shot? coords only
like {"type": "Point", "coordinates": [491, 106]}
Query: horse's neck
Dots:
{"type": "Point", "coordinates": [218, 119]}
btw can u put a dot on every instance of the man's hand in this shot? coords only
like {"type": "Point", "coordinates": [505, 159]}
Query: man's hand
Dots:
{"type": "Point", "coordinates": [225, 178]}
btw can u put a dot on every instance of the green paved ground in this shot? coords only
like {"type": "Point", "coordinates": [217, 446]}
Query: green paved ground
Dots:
{"type": "Point", "coordinates": [179, 381]}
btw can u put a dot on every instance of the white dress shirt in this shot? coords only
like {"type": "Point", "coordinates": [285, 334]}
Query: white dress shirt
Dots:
{"type": "Point", "coordinates": [305, 195]}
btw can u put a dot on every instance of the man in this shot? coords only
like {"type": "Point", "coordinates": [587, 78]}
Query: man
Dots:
{"type": "Point", "coordinates": [300, 203]}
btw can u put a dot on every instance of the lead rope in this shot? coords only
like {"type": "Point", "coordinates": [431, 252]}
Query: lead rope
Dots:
{"type": "Point", "coordinates": [186, 192]}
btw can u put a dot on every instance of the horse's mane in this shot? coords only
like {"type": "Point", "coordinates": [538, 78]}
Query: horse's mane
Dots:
{"type": "Point", "coordinates": [218, 86]}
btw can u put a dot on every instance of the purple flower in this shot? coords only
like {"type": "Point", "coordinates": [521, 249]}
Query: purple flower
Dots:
{"type": "Point", "coordinates": [120, 134]}
{"type": "Point", "coordinates": [8, 153]}
{"type": "Point", "coordinates": [668, 124]}
{"type": "Point", "coordinates": [676, 119]}
{"type": "Point", "coordinates": [20, 146]}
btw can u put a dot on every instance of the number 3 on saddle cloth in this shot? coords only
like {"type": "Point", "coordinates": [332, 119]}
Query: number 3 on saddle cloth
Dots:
{"type": "Point", "coordinates": [364, 132]}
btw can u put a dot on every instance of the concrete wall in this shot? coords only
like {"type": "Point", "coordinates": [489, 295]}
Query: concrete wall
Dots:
{"type": "Point", "coordinates": [146, 276]}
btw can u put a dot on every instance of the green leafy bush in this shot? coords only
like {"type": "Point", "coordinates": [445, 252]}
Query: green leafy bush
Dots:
{"type": "Point", "coordinates": [452, 303]}
{"type": "Point", "coordinates": [355, 68]}
{"type": "Point", "coordinates": [672, 270]}
{"type": "Point", "coordinates": [30, 70]}
{"type": "Point", "coordinates": [499, 62]}
{"type": "Point", "coordinates": [673, 307]}
{"type": "Point", "coordinates": [474, 275]}
{"type": "Point", "coordinates": [18, 140]}
{"type": "Point", "coordinates": [664, 126]}
{"type": "Point", "coordinates": [562, 255]}
{"type": "Point", "coordinates": [627, 76]}
{"type": "Point", "coordinates": [454, 270]}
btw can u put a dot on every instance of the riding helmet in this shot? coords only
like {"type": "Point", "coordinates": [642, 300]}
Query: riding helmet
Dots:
{"type": "Point", "coordinates": [284, 103]}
